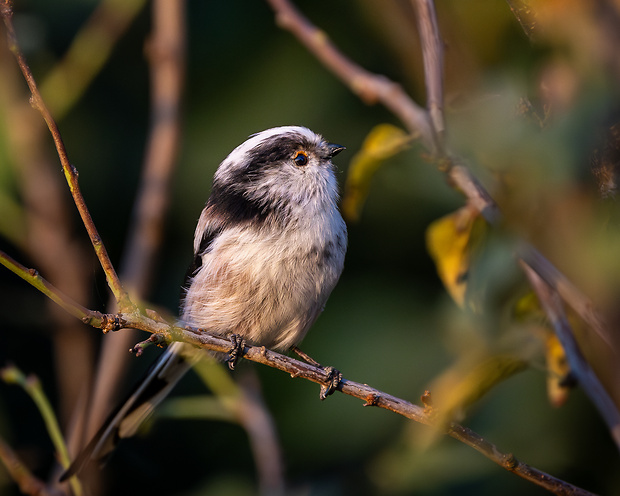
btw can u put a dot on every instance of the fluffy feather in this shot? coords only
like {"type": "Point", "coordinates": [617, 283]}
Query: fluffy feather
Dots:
{"type": "Point", "coordinates": [269, 248]}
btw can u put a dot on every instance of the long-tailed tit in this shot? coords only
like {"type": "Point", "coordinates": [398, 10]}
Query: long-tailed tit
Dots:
{"type": "Point", "coordinates": [268, 250]}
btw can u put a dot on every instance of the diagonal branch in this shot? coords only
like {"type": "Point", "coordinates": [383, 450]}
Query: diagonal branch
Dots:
{"type": "Point", "coordinates": [297, 369]}
{"type": "Point", "coordinates": [32, 386]}
{"type": "Point", "coordinates": [526, 16]}
{"type": "Point", "coordinates": [457, 172]}
{"type": "Point", "coordinates": [552, 304]}
{"type": "Point", "coordinates": [71, 173]}
{"type": "Point", "coordinates": [32, 277]}
{"type": "Point", "coordinates": [572, 295]}
{"type": "Point", "coordinates": [371, 88]}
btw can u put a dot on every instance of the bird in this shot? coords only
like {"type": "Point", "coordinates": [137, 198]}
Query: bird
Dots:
{"type": "Point", "coordinates": [269, 248]}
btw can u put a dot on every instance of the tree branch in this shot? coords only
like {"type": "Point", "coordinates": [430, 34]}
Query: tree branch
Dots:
{"type": "Point", "coordinates": [242, 400]}
{"type": "Point", "coordinates": [32, 385]}
{"type": "Point", "coordinates": [50, 240]}
{"type": "Point", "coordinates": [32, 277]}
{"type": "Point", "coordinates": [71, 174]}
{"type": "Point", "coordinates": [297, 369]}
{"type": "Point", "coordinates": [526, 16]}
{"type": "Point", "coordinates": [432, 52]}
{"type": "Point", "coordinates": [552, 304]}
{"type": "Point", "coordinates": [371, 88]}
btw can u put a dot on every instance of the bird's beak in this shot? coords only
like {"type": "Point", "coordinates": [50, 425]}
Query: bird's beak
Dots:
{"type": "Point", "coordinates": [334, 149]}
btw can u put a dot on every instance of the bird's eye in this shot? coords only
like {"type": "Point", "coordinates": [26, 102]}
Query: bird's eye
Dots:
{"type": "Point", "coordinates": [300, 158]}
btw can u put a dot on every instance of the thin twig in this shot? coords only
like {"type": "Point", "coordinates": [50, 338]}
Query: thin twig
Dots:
{"type": "Point", "coordinates": [32, 385]}
{"type": "Point", "coordinates": [32, 277]}
{"type": "Point", "coordinates": [71, 174]}
{"type": "Point", "coordinates": [243, 401]}
{"type": "Point", "coordinates": [371, 396]}
{"type": "Point", "coordinates": [526, 15]}
{"type": "Point", "coordinates": [50, 241]}
{"type": "Point", "coordinates": [256, 419]}
{"type": "Point", "coordinates": [552, 304]}
{"type": "Point", "coordinates": [166, 52]}
{"type": "Point", "coordinates": [371, 88]}
{"type": "Point", "coordinates": [364, 392]}
{"type": "Point", "coordinates": [432, 52]}
{"type": "Point", "coordinates": [458, 173]}
{"type": "Point", "coordinates": [572, 295]}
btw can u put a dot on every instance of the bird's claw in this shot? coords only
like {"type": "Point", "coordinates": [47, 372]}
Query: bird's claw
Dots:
{"type": "Point", "coordinates": [236, 352]}
{"type": "Point", "coordinates": [334, 378]}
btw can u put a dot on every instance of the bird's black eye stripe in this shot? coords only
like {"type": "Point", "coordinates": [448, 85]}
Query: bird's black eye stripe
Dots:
{"type": "Point", "coordinates": [272, 152]}
{"type": "Point", "coordinates": [300, 158]}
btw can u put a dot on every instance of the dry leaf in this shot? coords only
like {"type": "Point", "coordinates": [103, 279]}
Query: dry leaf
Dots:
{"type": "Point", "coordinates": [449, 241]}
{"type": "Point", "coordinates": [383, 142]}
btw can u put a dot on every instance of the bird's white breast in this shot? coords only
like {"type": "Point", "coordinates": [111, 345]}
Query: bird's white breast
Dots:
{"type": "Point", "coordinates": [268, 285]}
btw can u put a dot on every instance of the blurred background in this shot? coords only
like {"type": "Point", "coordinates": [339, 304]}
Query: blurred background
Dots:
{"type": "Point", "coordinates": [532, 112]}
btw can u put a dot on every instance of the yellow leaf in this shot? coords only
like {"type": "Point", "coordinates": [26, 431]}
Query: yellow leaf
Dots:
{"type": "Point", "coordinates": [470, 379]}
{"type": "Point", "coordinates": [558, 389]}
{"type": "Point", "coordinates": [382, 142]}
{"type": "Point", "coordinates": [527, 308]}
{"type": "Point", "coordinates": [449, 241]}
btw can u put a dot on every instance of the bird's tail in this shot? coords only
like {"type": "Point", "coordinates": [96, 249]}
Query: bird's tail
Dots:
{"type": "Point", "coordinates": [125, 420]}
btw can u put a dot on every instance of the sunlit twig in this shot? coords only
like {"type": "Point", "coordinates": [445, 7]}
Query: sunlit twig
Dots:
{"type": "Point", "coordinates": [371, 88]}
{"type": "Point", "coordinates": [32, 386]}
{"type": "Point", "coordinates": [32, 277]}
{"type": "Point", "coordinates": [71, 174]}
{"type": "Point", "coordinates": [371, 396]}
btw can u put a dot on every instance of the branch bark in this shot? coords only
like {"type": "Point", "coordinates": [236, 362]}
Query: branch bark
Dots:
{"type": "Point", "coordinates": [372, 397]}
{"type": "Point", "coordinates": [432, 52]}
{"type": "Point", "coordinates": [71, 174]}
{"type": "Point", "coordinates": [371, 88]}
{"type": "Point", "coordinates": [551, 302]}
{"type": "Point", "coordinates": [48, 228]}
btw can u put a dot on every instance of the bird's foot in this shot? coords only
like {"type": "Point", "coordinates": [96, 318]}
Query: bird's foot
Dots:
{"type": "Point", "coordinates": [236, 352]}
{"type": "Point", "coordinates": [334, 377]}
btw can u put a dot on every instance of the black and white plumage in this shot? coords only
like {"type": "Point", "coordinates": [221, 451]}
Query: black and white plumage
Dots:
{"type": "Point", "coordinates": [269, 248]}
